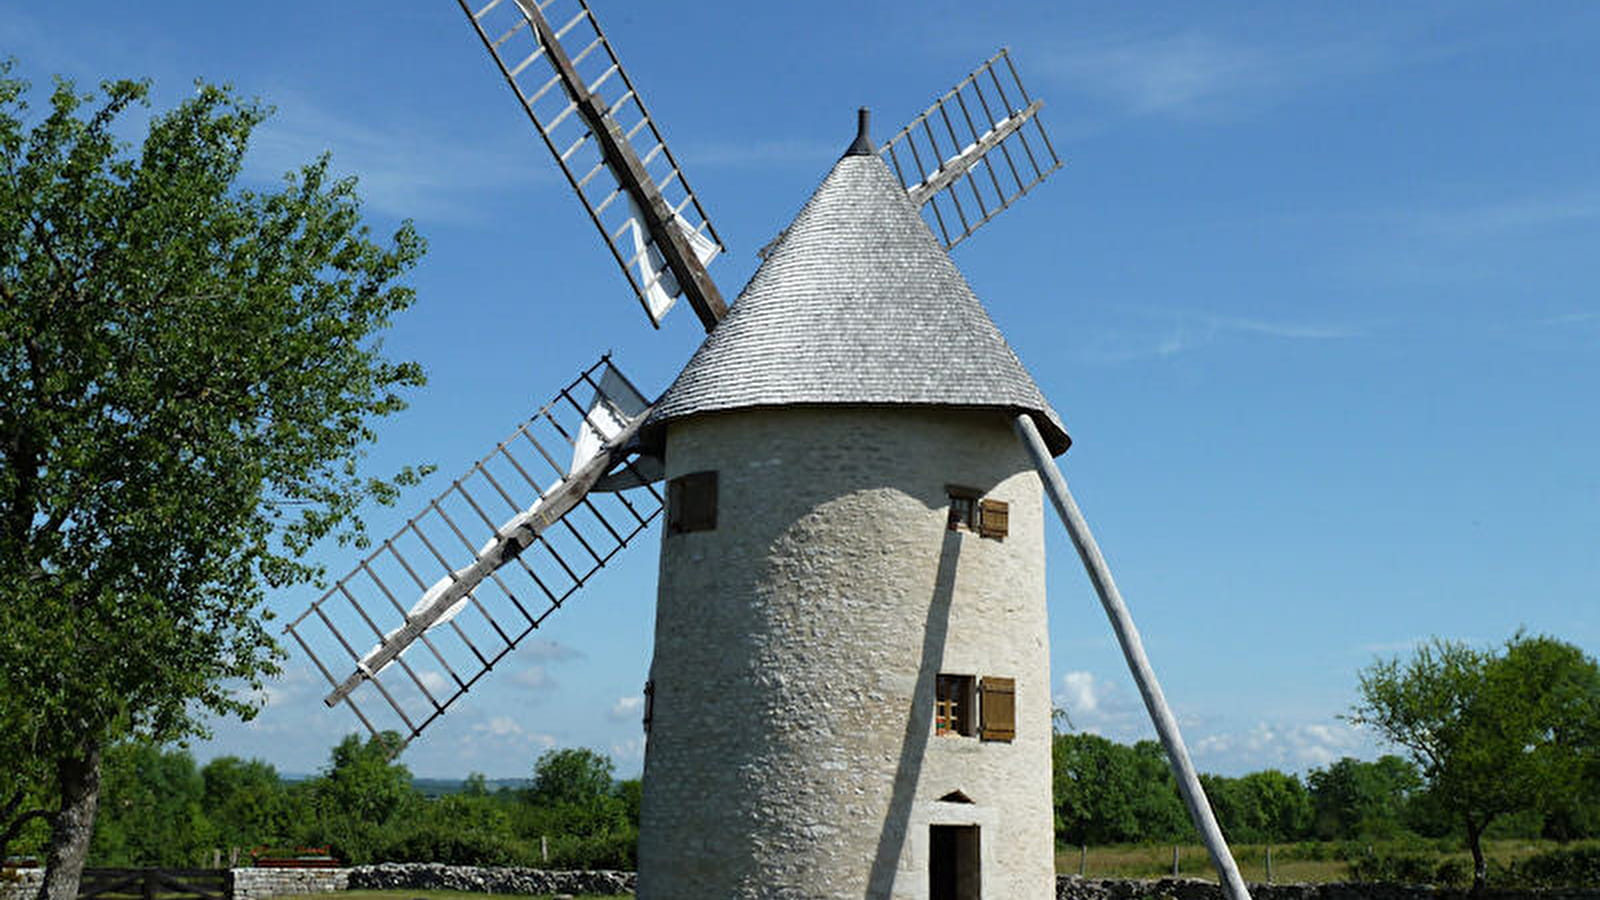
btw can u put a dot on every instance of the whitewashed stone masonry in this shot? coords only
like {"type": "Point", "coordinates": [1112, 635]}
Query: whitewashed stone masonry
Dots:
{"type": "Point", "coordinates": [792, 752]}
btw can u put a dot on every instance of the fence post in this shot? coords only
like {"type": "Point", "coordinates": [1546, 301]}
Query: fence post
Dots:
{"type": "Point", "coordinates": [1269, 864]}
{"type": "Point", "coordinates": [1083, 860]}
{"type": "Point", "coordinates": [1174, 860]}
{"type": "Point", "coordinates": [544, 847]}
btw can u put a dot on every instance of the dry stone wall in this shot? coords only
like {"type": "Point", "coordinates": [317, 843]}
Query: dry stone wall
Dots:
{"type": "Point", "coordinates": [1070, 887]}
{"type": "Point", "coordinates": [507, 880]}
{"type": "Point", "coordinates": [258, 884]}
{"type": "Point", "coordinates": [20, 884]}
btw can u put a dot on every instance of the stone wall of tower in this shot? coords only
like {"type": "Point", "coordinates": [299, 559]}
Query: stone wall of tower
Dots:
{"type": "Point", "coordinates": [792, 751]}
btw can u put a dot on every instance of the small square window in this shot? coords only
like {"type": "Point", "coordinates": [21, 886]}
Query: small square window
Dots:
{"type": "Point", "coordinates": [692, 502]}
{"type": "Point", "coordinates": [953, 706]}
{"type": "Point", "coordinates": [971, 511]}
{"type": "Point", "coordinates": [963, 509]}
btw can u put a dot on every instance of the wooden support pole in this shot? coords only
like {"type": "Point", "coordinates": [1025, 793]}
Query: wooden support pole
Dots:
{"type": "Point", "coordinates": [1155, 702]}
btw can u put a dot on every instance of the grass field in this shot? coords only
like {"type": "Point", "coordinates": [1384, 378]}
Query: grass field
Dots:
{"type": "Point", "coordinates": [1290, 863]}
{"type": "Point", "coordinates": [446, 895]}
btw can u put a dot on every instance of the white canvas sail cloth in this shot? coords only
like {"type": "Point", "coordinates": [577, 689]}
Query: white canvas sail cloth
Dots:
{"type": "Point", "coordinates": [661, 287]}
{"type": "Point", "coordinates": [616, 402]}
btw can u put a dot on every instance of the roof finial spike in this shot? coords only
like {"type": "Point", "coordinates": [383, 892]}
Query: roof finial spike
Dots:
{"type": "Point", "coordinates": [862, 145]}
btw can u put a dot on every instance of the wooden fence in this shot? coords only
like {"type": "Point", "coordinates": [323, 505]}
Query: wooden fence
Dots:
{"type": "Point", "coordinates": [156, 884]}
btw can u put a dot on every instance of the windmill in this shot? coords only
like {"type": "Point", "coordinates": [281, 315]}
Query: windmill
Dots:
{"type": "Point", "coordinates": [849, 693]}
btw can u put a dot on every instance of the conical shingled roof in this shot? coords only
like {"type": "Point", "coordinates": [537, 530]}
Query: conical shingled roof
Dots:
{"type": "Point", "coordinates": [857, 305]}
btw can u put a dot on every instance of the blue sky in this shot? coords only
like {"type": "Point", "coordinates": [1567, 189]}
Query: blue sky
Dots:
{"type": "Point", "coordinates": [1315, 295]}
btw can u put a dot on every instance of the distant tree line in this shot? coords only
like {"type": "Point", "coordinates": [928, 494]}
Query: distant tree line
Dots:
{"type": "Point", "coordinates": [1111, 793]}
{"type": "Point", "coordinates": [160, 808]}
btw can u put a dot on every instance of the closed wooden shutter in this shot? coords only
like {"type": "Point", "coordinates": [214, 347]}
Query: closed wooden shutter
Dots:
{"type": "Point", "coordinates": [997, 700]}
{"type": "Point", "coordinates": [994, 518]}
{"type": "Point", "coordinates": [692, 502]}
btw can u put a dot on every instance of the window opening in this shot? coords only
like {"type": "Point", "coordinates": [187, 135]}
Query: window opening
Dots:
{"type": "Point", "coordinates": [970, 511]}
{"type": "Point", "coordinates": [692, 502]}
{"type": "Point", "coordinates": [952, 706]}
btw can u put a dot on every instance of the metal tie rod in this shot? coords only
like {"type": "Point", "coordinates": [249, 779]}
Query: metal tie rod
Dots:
{"type": "Point", "coordinates": [1194, 795]}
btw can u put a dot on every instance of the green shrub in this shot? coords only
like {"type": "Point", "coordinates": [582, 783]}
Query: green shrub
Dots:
{"type": "Point", "coordinates": [1393, 867]}
{"type": "Point", "coordinates": [1565, 867]}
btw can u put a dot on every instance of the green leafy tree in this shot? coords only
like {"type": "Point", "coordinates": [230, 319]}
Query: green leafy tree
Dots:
{"type": "Point", "coordinates": [1494, 733]}
{"type": "Point", "coordinates": [188, 374]}
{"type": "Point", "coordinates": [151, 809]}
{"type": "Point", "coordinates": [1259, 807]}
{"type": "Point", "coordinates": [356, 800]}
{"type": "Point", "coordinates": [1355, 799]}
{"type": "Point", "coordinates": [1108, 793]}
{"type": "Point", "coordinates": [475, 785]}
{"type": "Point", "coordinates": [571, 776]}
{"type": "Point", "coordinates": [575, 804]}
{"type": "Point", "coordinates": [245, 802]}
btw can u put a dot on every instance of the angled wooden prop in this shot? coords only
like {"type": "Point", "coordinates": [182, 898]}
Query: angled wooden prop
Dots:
{"type": "Point", "coordinates": [1155, 702]}
{"type": "Point", "coordinates": [463, 619]}
{"type": "Point", "coordinates": [658, 232]}
{"type": "Point", "coordinates": [950, 158]}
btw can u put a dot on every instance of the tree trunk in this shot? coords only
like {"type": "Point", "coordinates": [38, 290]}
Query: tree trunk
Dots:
{"type": "Point", "coordinates": [1480, 866]}
{"type": "Point", "coordinates": [79, 777]}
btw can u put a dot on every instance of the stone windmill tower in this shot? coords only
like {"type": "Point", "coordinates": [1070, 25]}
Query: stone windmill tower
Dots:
{"type": "Point", "coordinates": [851, 660]}
{"type": "Point", "coordinates": [849, 694]}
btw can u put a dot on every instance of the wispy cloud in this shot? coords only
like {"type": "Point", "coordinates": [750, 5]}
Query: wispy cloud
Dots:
{"type": "Point", "coordinates": [1567, 208]}
{"type": "Point", "coordinates": [1572, 318]}
{"type": "Point", "coordinates": [1224, 70]}
{"type": "Point", "coordinates": [1172, 332]}
{"type": "Point", "coordinates": [539, 657]}
{"type": "Point", "coordinates": [758, 154]}
{"type": "Point", "coordinates": [406, 168]}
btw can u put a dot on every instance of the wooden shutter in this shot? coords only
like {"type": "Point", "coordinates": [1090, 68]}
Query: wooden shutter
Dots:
{"type": "Point", "coordinates": [692, 502]}
{"type": "Point", "coordinates": [997, 700]}
{"type": "Point", "coordinates": [994, 518]}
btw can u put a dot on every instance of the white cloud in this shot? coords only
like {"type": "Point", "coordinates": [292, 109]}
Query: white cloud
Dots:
{"type": "Point", "coordinates": [1080, 694]}
{"type": "Point", "coordinates": [436, 683]}
{"type": "Point", "coordinates": [499, 726]}
{"type": "Point", "coordinates": [628, 751]}
{"type": "Point", "coordinates": [546, 650]}
{"type": "Point", "coordinates": [535, 678]}
{"type": "Point", "coordinates": [626, 708]}
{"type": "Point", "coordinates": [1292, 747]}
{"type": "Point", "coordinates": [1096, 706]}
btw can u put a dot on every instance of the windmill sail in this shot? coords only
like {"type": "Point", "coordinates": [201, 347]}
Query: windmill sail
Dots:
{"type": "Point", "coordinates": [973, 153]}
{"type": "Point", "coordinates": [473, 603]}
{"type": "Point", "coordinates": [571, 84]}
